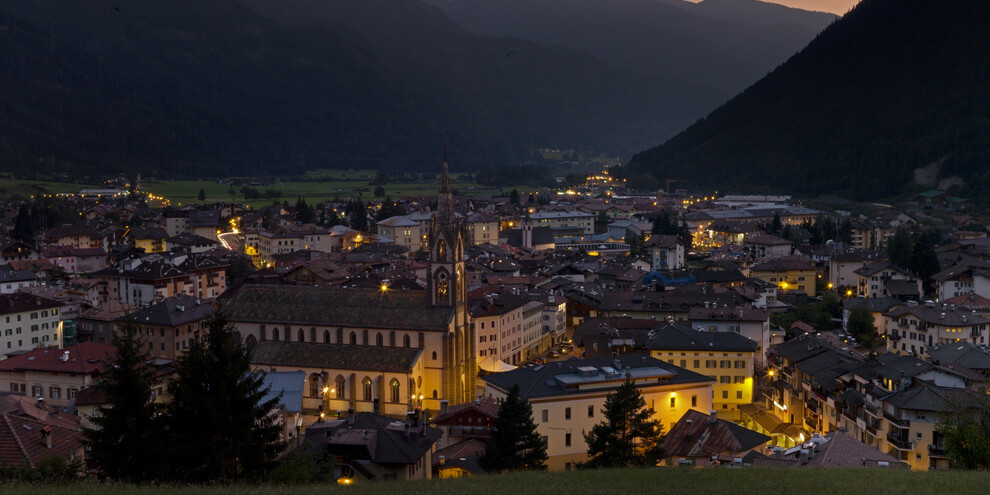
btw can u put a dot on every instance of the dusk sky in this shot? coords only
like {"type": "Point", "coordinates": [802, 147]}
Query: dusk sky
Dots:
{"type": "Point", "coordinates": [834, 6]}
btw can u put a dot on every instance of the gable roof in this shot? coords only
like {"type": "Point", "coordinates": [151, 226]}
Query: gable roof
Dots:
{"type": "Point", "coordinates": [379, 439]}
{"type": "Point", "coordinates": [22, 441]}
{"type": "Point", "coordinates": [85, 358]}
{"type": "Point", "coordinates": [697, 435]}
{"type": "Point", "coordinates": [174, 311]}
{"type": "Point", "coordinates": [319, 306]}
{"type": "Point", "coordinates": [673, 337]}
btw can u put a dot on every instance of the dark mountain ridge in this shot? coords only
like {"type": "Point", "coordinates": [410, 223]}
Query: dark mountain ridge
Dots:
{"type": "Point", "coordinates": [893, 86]}
{"type": "Point", "coordinates": [193, 87]}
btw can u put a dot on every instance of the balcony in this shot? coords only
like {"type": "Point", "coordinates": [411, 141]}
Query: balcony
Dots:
{"type": "Point", "coordinates": [899, 423]}
{"type": "Point", "coordinates": [470, 431]}
{"type": "Point", "coordinates": [899, 442]}
{"type": "Point", "coordinates": [937, 451]}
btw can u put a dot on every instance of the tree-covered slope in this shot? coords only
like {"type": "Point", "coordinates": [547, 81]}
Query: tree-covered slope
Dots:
{"type": "Point", "coordinates": [215, 87]}
{"type": "Point", "coordinates": [892, 86]}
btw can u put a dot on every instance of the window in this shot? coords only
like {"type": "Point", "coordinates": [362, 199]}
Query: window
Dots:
{"type": "Point", "coordinates": [36, 390]}
{"type": "Point", "coordinates": [545, 415]}
{"type": "Point", "coordinates": [711, 363]}
{"type": "Point", "coordinates": [567, 413]}
{"type": "Point", "coordinates": [353, 338]}
{"type": "Point", "coordinates": [434, 355]}
{"type": "Point", "coordinates": [739, 394]}
{"type": "Point", "coordinates": [366, 387]}
{"type": "Point", "coordinates": [694, 401]}
{"type": "Point", "coordinates": [725, 394]}
{"type": "Point", "coordinates": [338, 388]}
{"type": "Point", "coordinates": [725, 364]}
{"type": "Point", "coordinates": [55, 392]}
{"type": "Point", "coordinates": [725, 379]}
{"type": "Point", "coordinates": [673, 402]}
{"type": "Point", "coordinates": [314, 385]}
{"type": "Point", "coordinates": [71, 392]}
{"type": "Point", "coordinates": [379, 340]}
{"type": "Point", "coordinates": [567, 439]}
{"type": "Point", "coordinates": [326, 336]}
{"type": "Point", "coordinates": [300, 335]}
{"type": "Point", "coordinates": [394, 387]}
{"type": "Point", "coordinates": [740, 364]}
{"type": "Point", "coordinates": [697, 363]}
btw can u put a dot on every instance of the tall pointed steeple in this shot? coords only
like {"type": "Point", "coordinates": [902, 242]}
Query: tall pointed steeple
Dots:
{"type": "Point", "coordinates": [445, 201]}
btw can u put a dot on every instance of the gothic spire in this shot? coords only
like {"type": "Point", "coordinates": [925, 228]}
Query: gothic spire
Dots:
{"type": "Point", "coordinates": [445, 205]}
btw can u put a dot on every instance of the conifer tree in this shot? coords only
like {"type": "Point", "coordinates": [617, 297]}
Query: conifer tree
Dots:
{"type": "Point", "coordinates": [629, 436]}
{"type": "Point", "coordinates": [125, 440]}
{"type": "Point", "coordinates": [220, 423]}
{"type": "Point", "coordinates": [515, 444]}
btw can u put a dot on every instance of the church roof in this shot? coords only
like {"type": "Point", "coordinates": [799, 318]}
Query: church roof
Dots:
{"type": "Point", "coordinates": [320, 306]}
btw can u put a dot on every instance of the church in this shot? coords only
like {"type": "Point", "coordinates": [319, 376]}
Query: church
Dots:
{"type": "Point", "coordinates": [375, 350]}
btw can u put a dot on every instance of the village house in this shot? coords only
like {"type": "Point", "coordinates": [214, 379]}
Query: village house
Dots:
{"type": "Point", "coordinates": [568, 398]}
{"type": "Point", "coordinates": [28, 322]}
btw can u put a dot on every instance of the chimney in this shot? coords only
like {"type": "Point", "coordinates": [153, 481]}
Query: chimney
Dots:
{"type": "Point", "coordinates": [46, 436]}
{"type": "Point", "coordinates": [64, 357]}
{"type": "Point", "coordinates": [443, 406]}
{"type": "Point", "coordinates": [442, 460]}
{"type": "Point", "coordinates": [712, 417]}
{"type": "Point", "coordinates": [690, 427]}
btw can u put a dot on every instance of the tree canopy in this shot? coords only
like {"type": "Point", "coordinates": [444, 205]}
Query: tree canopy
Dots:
{"type": "Point", "coordinates": [515, 444]}
{"type": "Point", "coordinates": [629, 435]}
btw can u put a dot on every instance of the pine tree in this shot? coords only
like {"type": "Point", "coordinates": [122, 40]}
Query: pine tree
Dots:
{"type": "Point", "coordinates": [202, 195]}
{"type": "Point", "coordinates": [629, 436]}
{"type": "Point", "coordinates": [860, 324]}
{"type": "Point", "coordinates": [221, 427]}
{"type": "Point", "coordinates": [775, 224]}
{"type": "Point", "coordinates": [515, 444]}
{"type": "Point", "coordinates": [126, 437]}
{"type": "Point", "coordinates": [23, 228]}
{"type": "Point", "coordinates": [899, 248]}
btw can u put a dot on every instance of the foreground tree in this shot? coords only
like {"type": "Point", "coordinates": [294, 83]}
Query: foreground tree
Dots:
{"type": "Point", "coordinates": [221, 427]}
{"type": "Point", "coordinates": [515, 443]}
{"type": "Point", "coordinates": [861, 325]}
{"type": "Point", "coordinates": [628, 436]}
{"type": "Point", "coordinates": [967, 431]}
{"type": "Point", "coordinates": [125, 441]}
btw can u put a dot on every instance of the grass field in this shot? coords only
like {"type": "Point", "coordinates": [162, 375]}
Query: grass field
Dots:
{"type": "Point", "coordinates": [342, 185]}
{"type": "Point", "coordinates": [28, 188]}
{"type": "Point", "coordinates": [671, 481]}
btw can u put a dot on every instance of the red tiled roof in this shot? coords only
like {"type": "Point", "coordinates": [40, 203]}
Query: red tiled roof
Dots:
{"type": "Point", "coordinates": [86, 358]}
{"type": "Point", "coordinates": [22, 441]}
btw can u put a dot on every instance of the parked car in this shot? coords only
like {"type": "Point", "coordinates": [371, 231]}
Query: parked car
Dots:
{"type": "Point", "coordinates": [554, 354]}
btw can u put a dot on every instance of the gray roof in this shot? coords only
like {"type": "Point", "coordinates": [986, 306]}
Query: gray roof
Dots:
{"type": "Point", "coordinates": [560, 378]}
{"type": "Point", "coordinates": [174, 311]}
{"type": "Point", "coordinates": [963, 354]}
{"type": "Point", "coordinates": [319, 306]}
{"type": "Point", "coordinates": [379, 439]}
{"type": "Point", "coordinates": [673, 337]}
{"type": "Point", "coordinates": [335, 356]}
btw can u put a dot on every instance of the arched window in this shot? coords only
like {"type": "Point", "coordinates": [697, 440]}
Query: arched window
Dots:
{"type": "Point", "coordinates": [312, 334]}
{"type": "Point", "coordinates": [442, 285]}
{"type": "Point", "coordinates": [353, 338]}
{"type": "Point", "coordinates": [366, 388]}
{"type": "Point", "coordinates": [394, 389]}
{"type": "Point", "coordinates": [441, 250]}
{"type": "Point", "coordinates": [434, 355]}
{"type": "Point", "coordinates": [326, 336]}
{"type": "Point", "coordinates": [412, 387]}
{"type": "Point", "coordinates": [262, 332]}
{"type": "Point", "coordinates": [314, 385]}
{"type": "Point", "coordinates": [288, 334]}
{"type": "Point", "coordinates": [275, 333]}
{"type": "Point", "coordinates": [434, 394]}
{"type": "Point", "coordinates": [364, 337]}
{"type": "Point", "coordinates": [405, 340]}
{"type": "Point", "coordinates": [338, 388]}
{"type": "Point", "coordinates": [391, 338]}
{"type": "Point", "coordinates": [250, 342]}
{"type": "Point", "coordinates": [379, 341]}
{"type": "Point", "coordinates": [302, 335]}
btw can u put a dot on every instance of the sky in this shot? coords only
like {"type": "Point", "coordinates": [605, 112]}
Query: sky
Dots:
{"type": "Point", "coordinates": [834, 6]}
{"type": "Point", "coordinates": [839, 7]}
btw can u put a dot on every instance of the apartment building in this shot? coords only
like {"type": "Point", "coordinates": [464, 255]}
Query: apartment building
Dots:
{"type": "Point", "coordinates": [28, 322]}
{"type": "Point", "coordinates": [726, 357]}
{"type": "Point", "coordinates": [565, 220]}
{"type": "Point", "coordinates": [55, 375]}
{"type": "Point", "coordinates": [914, 329]}
{"type": "Point", "coordinates": [568, 398]}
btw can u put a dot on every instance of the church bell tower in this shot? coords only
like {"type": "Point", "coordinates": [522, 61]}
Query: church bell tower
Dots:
{"type": "Point", "coordinates": [446, 288]}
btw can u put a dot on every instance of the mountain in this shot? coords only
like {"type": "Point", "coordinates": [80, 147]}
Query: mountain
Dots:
{"type": "Point", "coordinates": [890, 88]}
{"type": "Point", "coordinates": [221, 87]}
{"type": "Point", "coordinates": [721, 44]}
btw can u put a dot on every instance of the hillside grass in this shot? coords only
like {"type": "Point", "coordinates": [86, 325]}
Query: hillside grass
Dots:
{"type": "Point", "coordinates": [670, 481]}
{"type": "Point", "coordinates": [342, 186]}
